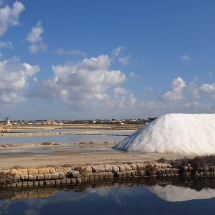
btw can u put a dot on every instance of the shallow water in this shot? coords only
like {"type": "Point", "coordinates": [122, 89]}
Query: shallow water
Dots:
{"type": "Point", "coordinates": [83, 149]}
{"type": "Point", "coordinates": [106, 136]}
{"type": "Point", "coordinates": [44, 151]}
{"type": "Point", "coordinates": [61, 139]}
{"type": "Point", "coordinates": [108, 131]}
{"type": "Point", "coordinates": [113, 198]}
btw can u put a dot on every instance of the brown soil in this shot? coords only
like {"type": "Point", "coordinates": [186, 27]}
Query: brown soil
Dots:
{"type": "Point", "coordinates": [64, 155]}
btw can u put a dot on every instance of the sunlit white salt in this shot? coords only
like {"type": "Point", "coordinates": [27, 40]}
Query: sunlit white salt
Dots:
{"type": "Point", "coordinates": [174, 133]}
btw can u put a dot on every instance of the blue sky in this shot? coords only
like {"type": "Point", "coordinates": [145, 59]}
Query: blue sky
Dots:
{"type": "Point", "coordinates": [106, 59]}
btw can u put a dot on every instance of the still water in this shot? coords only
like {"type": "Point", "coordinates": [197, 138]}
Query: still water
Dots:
{"type": "Point", "coordinates": [61, 139]}
{"type": "Point", "coordinates": [108, 136]}
{"type": "Point", "coordinates": [168, 197]}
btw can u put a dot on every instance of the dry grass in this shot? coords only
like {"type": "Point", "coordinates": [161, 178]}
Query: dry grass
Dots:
{"type": "Point", "coordinates": [8, 145]}
{"type": "Point", "coordinates": [163, 160]}
{"type": "Point", "coordinates": [18, 167]}
{"type": "Point", "coordinates": [47, 143]}
{"type": "Point", "coordinates": [66, 165]}
{"type": "Point", "coordinates": [198, 161]}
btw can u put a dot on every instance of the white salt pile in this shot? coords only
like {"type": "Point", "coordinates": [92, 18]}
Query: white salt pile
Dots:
{"type": "Point", "coordinates": [174, 133]}
{"type": "Point", "coordinates": [172, 193]}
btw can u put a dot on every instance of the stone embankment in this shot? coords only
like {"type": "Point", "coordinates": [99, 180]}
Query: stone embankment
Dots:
{"type": "Point", "coordinates": [80, 174]}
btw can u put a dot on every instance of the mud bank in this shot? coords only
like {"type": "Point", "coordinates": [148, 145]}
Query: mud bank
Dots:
{"type": "Point", "coordinates": [31, 134]}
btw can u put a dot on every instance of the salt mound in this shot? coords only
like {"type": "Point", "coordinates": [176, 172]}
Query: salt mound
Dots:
{"type": "Point", "coordinates": [172, 193]}
{"type": "Point", "coordinates": [174, 133]}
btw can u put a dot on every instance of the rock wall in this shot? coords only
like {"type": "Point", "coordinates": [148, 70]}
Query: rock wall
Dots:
{"type": "Point", "coordinates": [101, 172]}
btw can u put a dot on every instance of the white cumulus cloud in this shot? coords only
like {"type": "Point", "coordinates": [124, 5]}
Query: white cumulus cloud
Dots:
{"type": "Point", "coordinates": [185, 58]}
{"type": "Point", "coordinates": [10, 16]}
{"type": "Point", "coordinates": [117, 51]}
{"type": "Point", "coordinates": [35, 34]}
{"type": "Point", "coordinates": [35, 38]}
{"type": "Point", "coordinates": [6, 45]}
{"type": "Point", "coordinates": [208, 89]}
{"type": "Point", "coordinates": [125, 60]}
{"type": "Point", "coordinates": [177, 88]}
{"type": "Point", "coordinates": [120, 90]}
{"type": "Point", "coordinates": [195, 94]}
{"type": "Point", "coordinates": [34, 48]}
{"type": "Point", "coordinates": [83, 85]}
{"type": "Point", "coordinates": [153, 108]}
{"type": "Point", "coordinates": [14, 78]}
{"type": "Point", "coordinates": [133, 75]}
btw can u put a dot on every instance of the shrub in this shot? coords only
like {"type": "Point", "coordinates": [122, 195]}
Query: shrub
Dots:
{"type": "Point", "coordinates": [18, 167]}
{"type": "Point", "coordinates": [46, 143]}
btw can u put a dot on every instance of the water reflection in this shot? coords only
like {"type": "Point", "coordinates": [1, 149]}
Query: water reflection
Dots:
{"type": "Point", "coordinates": [173, 193]}
{"type": "Point", "coordinates": [115, 197]}
{"type": "Point", "coordinates": [61, 139]}
{"type": "Point", "coordinates": [177, 189]}
{"type": "Point", "coordinates": [74, 149]}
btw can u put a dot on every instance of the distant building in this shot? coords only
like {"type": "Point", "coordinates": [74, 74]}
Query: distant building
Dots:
{"type": "Point", "coordinates": [7, 121]}
{"type": "Point", "coordinates": [49, 122]}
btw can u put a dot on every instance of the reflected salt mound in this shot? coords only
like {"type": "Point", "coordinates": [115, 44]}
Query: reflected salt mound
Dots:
{"type": "Point", "coordinates": [173, 193]}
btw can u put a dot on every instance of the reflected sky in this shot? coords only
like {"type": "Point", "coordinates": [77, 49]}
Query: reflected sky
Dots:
{"type": "Point", "coordinates": [61, 139]}
{"type": "Point", "coordinates": [117, 200]}
{"type": "Point", "coordinates": [76, 150]}
{"type": "Point", "coordinates": [173, 193]}
{"type": "Point", "coordinates": [107, 136]}
{"type": "Point", "coordinates": [89, 149]}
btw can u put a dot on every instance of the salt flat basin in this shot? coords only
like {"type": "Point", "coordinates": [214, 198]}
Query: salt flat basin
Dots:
{"type": "Point", "coordinates": [110, 131]}
{"type": "Point", "coordinates": [61, 139]}
{"type": "Point", "coordinates": [69, 152]}
{"type": "Point", "coordinates": [48, 150]}
{"type": "Point", "coordinates": [40, 155]}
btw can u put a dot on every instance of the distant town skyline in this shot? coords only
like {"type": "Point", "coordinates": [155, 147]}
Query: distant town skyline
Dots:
{"type": "Point", "coordinates": [106, 59]}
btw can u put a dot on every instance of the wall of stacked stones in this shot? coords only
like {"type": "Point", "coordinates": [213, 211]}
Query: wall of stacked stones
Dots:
{"type": "Point", "coordinates": [80, 174]}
